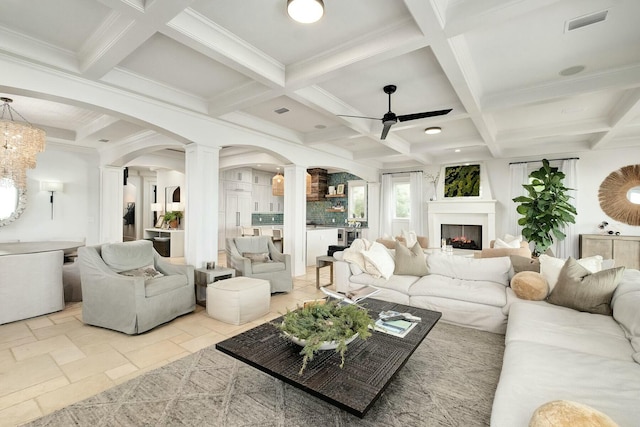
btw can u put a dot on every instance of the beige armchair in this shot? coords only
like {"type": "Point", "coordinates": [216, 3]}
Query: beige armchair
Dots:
{"type": "Point", "coordinates": [256, 256]}
{"type": "Point", "coordinates": [120, 292]}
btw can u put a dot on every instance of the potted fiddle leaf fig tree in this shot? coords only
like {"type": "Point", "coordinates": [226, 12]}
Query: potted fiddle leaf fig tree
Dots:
{"type": "Point", "coordinates": [546, 209]}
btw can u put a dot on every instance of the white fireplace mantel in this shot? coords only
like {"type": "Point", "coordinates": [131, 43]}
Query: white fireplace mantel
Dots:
{"type": "Point", "coordinates": [465, 212]}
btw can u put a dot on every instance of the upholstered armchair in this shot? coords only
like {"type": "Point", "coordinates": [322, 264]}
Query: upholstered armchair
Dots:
{"type": "Point", "coordinates": [129, 288]}
{"type": "Point", "coordinates": [257, 256]}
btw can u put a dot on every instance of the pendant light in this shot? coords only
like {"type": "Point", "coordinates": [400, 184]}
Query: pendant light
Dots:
{"type": "Point", "coordinates": [277, 184]}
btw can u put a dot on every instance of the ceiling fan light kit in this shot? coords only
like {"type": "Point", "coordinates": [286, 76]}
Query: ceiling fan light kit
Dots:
{"type": "Point", "coordinates": [390, 118]}
{"type": "Point", "coordinates": [305, 11]}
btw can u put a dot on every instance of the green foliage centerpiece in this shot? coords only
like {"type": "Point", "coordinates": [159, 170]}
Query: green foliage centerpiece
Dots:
{"type": "Point", "coordinates": [546, 209]}
{"type": "Point", "coordinates": [318, 324]}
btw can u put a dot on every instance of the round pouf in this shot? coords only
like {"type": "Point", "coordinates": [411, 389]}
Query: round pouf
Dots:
{"type": "Point", "coordinates": [564, 413]}
{"type": "Point", "coordinates": [238, 300]}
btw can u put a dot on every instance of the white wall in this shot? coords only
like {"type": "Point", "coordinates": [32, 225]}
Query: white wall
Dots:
{"type": "Point", "coordinates": [76, 209]}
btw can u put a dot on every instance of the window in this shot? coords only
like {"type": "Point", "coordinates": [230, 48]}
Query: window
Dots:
{"type": "Point", "coordinates": [357, 204]}
{"type": "Point", "coordinates": [402, 200]}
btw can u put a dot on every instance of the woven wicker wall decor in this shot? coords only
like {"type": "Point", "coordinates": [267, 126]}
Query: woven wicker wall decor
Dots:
{"type": "Point", "coordinates": [613, 195]}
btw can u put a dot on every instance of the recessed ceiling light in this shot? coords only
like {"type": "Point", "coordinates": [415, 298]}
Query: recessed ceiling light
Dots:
{"type": "Point", "coordinates": [305, 11]}
{"type": "Point", "coordinates": [572, 70]}
{"type": "Point", "coordinates": [457, 150]}
{"type": "Point", "coordinates": [433, 130]}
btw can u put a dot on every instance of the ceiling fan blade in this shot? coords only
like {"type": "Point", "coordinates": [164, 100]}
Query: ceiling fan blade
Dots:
{"type": "Point", "coordinates": [385, 130]}
{"type": "Point", "coordinates": [415, 116]}
{"type": "Point", "coordinates": [359, 117]}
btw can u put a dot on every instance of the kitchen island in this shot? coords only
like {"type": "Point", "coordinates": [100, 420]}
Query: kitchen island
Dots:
{"type": "Point", "coordinates": [318, 240]}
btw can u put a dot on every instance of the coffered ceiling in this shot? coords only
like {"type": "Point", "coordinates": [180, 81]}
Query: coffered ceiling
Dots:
{"type": "Point", "coordinates": [497, 63]}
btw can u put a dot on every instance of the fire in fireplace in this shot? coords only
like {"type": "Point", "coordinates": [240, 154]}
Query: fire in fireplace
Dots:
{"type": "Point", "coordinates": [462, 236]}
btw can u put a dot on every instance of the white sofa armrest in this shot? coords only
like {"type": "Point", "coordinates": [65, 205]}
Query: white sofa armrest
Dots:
{"type": "Point", "coordinates": [341, 272]}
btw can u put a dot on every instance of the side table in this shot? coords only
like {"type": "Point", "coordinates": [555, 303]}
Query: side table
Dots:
{"type": "Point", "coordinates": [203, 277]}
{"type": "Point", "coordinates": [324, 261]}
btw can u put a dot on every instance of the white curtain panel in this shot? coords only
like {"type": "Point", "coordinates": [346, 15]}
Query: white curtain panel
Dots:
{"type": "Point", "coordinates": [569, 246]}
{"type": "Point", "coordinates": [417, 193]}
{"type": "Point", "coordinates": [518, 175]}
{"type": "Point", "coordinates": [386, 205]}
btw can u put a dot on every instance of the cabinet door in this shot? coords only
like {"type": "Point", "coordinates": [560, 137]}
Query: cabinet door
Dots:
{"type": "Point", "coordinates": [627, 253]}
{"type": "Point", "coordinates": [596, 246]}
{"type": "Point", "coordinates": [237, 212]}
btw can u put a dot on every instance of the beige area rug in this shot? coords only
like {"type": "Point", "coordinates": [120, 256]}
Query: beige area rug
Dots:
{"type": "Point", "coordinates": [450, 380]}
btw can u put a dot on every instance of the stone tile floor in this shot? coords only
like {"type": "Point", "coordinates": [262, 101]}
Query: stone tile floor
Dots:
{"type": "Point", "coordinates": [51, 361]}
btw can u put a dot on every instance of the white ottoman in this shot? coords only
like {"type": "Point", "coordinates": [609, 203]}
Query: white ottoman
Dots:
{"type": "Point", "coordinates": [238, 300]}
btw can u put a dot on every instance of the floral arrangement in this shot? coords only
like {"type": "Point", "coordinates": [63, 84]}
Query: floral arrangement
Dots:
{"type": "Point", "coordinates": [323, 322]}
{"type": "Point", "coordinates": [432, 178]}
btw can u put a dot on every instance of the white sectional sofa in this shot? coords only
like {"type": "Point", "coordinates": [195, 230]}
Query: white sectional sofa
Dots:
{"type": "Point", "coordinates": [551, 353]}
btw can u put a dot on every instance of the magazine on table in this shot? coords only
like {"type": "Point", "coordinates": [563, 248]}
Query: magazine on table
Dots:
{"type": "Point", "coordinates": [399, 328]}
{"type": "Point", "coordinates": [353, 296]}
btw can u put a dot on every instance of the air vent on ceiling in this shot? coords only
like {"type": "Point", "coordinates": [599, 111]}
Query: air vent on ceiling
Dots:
{"type": "Point", "coordinates": [583, 21]}
{"type": "Point", "coordinates": [103, 140]}
{"type": "Point", "coordinates": [281, 110]}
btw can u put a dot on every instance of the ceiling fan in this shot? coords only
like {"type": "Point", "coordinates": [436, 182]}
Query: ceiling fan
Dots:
{"type": "Point", "coordinates": [390, 118]}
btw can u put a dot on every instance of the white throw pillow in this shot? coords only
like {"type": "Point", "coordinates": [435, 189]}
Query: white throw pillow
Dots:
{"type": "Point", "coordinates": [353, 254]}
{"type": "Point", "coordinates": [511, 238]}
{"type": "Point", "coordinates": [380, 258]}
{"type": "Point", "coordinates": [499, 243]}
{"type": "Point", "coordinates": [550, 267]}
{"type": "Point", "coordinates": [411, 237]}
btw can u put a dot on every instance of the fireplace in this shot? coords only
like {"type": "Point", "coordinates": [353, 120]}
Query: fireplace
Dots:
{"type": "Point", "coordinates": [461, 236]}
{"type": "Point", "coordinates": [469, 212]}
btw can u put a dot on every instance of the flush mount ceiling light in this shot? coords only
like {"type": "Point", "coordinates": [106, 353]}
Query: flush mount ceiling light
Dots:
{"type": "Point", "coordinates": [433, 130]}
{"type": "Point", "coordinates": [305, 11]}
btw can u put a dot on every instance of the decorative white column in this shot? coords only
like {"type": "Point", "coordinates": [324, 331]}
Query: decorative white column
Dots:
{"type": "Point", "coordinates": [111, 197]}
{"type": "Point", "coordinates": [373, 211]}
{"type": "Point", "coordinates": [202, 164]}
{"type": "Point", "coordinates": [295, 217]}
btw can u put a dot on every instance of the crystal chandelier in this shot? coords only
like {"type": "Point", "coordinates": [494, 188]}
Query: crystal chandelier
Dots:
{"type": "Point", "coordinates": [19, 144]}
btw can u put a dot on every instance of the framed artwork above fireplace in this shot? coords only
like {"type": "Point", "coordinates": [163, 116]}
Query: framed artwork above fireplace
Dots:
{"type": "Point", "coordinates": [468, 181]}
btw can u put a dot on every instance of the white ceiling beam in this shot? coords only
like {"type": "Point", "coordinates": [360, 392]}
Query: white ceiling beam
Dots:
{"type": "Point", "coordinates": [466, 15]}
{"type": "Point", "coordinates": [455, 59]}
{"type": "Point", "coordinates": [251, 122]}
{"type": "Point", "coordinates": [624, 113]}
{"type": "Point", "coordinates": [36, 50]}
{"type": "Point", "coordinates": [578, 127]}
{"type": "Point", "coordinates": [95, 126]}
{"type": "Point", "coordinates": [241, 97]}
{"type": "Point", "coordinates": [330, 134]}
{"type": "Point", "coordinates": [199, 33]}
{"type": "Point", "coordinates": [623, 78]}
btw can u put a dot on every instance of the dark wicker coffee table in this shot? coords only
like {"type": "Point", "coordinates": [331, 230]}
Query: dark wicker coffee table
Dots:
{"type": "Point", "coordinates": [369, 365]}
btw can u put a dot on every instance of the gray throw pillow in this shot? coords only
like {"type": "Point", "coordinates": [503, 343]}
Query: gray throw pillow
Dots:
{"type": "Point", "coordinates": [410, 262]}
{"type": "Point", "coordinates": [521, 263]}
{"type": "Point", "coordinates": [257, 257]}
{"type": "Point", "coordinates": [582, 290]}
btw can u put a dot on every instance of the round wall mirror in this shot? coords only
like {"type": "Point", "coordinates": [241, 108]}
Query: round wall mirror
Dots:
{"type": "Point", "coordinates": [619, 195]}
{"type": "Point", "coordinates": [12, 202]}
{"type": "Point", "coordinates": [633, 195]}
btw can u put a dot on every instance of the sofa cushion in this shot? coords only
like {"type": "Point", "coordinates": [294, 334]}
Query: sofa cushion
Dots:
{"type": "Point", "coordinates": [530, 285]}
{"type": "Point", "coordinates": [502, 244]}
{"type": "Point", "coordinates": [625, 303]}
{"type": "Point", "coordinates": [378, 257]}
{"type": "Point", "coordinates": [582, 290]}
{"type": "Point", "coordinates": [611, 386]}
{"type": "Point", "coordinates": [564, 413]}
{"type": "Point", "coordinates": [253, 245]}
{"type": "Point", "coordinates": [487, 269]}
{"type": "Point", "coordinates": [410, 262]}
{"type": "Point", "coordinates": [164, 284]}
{"type": "Point", "coordinates": [563, 327]}
{"type": "Point", "coordinates": [388, 243]}
{"type": "Point", "coordinates": [127, 255]}
{"type": "Point", "coordinates": [396, 283]}
{"type": "Point", "coordinates": [267, 267]}
{"type": "Point", "coordinates": [476, 291]}
{"type": "Point", "coordinates": [550, 267]}
{"type": "Point", "coordinates": [521, 263]}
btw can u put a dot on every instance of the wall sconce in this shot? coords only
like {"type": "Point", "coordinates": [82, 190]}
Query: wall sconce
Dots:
{"type": "Point", "coordinates": [51, 187]}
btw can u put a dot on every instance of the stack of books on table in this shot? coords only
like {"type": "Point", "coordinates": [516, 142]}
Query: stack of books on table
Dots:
{"type": "Point", "coordinates": [395, 323]}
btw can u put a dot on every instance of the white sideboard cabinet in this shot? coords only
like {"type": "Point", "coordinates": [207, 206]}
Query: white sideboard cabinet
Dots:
{"type": "Point", "coordinates": [625, 250]}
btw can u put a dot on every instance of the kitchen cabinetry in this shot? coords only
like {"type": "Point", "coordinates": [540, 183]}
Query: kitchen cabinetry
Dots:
{"type": "Point", "coordinates": [237, 212]}
{"type": "Point", "coordinates": [168, 243]}
{"type": "Point", "coordinates": [318, 241]}
{"type": "Point", "coordinates": [263, 199]}
{"type": "Point", "coordinates": [625, 250]}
